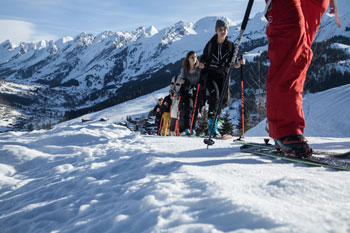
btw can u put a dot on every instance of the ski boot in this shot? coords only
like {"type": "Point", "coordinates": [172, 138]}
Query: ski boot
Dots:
{"type": "Point", "coordinates": [215, 131]}
{"type": "Point", "coordinates": [193, 132]}
{"type": "Point", "coordinates": [294, 145]}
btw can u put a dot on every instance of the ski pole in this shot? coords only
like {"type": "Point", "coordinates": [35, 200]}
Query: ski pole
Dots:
{"type": "Point", "coordinates": [242, 105]}
{"type": "Point", "coordinates": [242, 94]}
{"type": "Point", "coordinates": [194, 108]}
{"type": "Point", "coordinates": [209, 141]}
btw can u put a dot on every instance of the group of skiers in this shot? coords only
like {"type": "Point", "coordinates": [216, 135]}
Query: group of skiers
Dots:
{"type": "Point", "coordinates": [291, 30]}
{"type": "Point", "coordinates": [198, 82]}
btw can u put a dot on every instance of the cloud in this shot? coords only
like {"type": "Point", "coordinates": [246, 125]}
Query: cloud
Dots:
{"type": "Point", "coordinates": [21, 31]}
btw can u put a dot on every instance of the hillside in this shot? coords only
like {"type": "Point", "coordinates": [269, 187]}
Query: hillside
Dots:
{"type": "Point", "coordinates": [326, 113]}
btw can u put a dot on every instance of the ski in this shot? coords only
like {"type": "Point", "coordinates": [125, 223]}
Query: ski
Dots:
{"type": "Point", "coordinates": [324, 153]}
{"type": "Point", "coordinates": [321, 160]}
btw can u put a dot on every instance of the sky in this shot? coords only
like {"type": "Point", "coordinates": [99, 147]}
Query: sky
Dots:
{"type": "Point", "coordinates": [35, 20]}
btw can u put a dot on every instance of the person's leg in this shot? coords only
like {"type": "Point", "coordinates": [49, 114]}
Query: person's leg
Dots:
{"type": "Point", "coordinates": [213, 104]}
{"type": "Point", "coordinates": [289, 56]}
{"type": "Point", "coordinates": [164, 125]}
{"type": "Point", "coordinates": [159, 126]}
{"type": "Point", "coordinates": [172, 124]}
{"type": "Point", "coordinates": [184, 111]}
{"type": "Point", "coordinates": [292, 28]}
{"type": "Point", "coordinates": [190, 110]}
{"type": "Point", "coordinates": [166, 122]}
{"type": "Point", "coordinates": [194, 116]}
{"type": "Point", "coordinates": [167, 132]}
{"type": "Point", "coordinates": [313, 11]}
{"type": "Point", "coordinates": [214, 96]}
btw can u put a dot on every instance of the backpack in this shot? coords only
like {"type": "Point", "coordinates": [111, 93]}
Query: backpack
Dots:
{"type": "Point", "coordinates": [175, 84]}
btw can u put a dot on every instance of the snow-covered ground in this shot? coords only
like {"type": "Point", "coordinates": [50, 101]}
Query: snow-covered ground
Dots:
{"type": "Point", "coordinates": [100, 177]}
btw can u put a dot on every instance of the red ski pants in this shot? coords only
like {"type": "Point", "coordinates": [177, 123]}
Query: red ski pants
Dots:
{"type": "Point", "coordinates": [291, 30]}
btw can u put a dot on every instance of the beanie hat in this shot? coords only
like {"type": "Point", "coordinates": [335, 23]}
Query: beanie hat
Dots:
{"type": "Point", "coordinates": [220, 23]}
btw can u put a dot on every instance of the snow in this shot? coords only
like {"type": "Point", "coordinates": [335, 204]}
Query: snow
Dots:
{"type": "Point", "coordinates": [98, 176]}
{"type": "Point", "coordinates": [326, 114]}
{"type": "Point", "coordinates": [136, 108]}
{"type": "Point", "coordinates": [255, 53]}
{"type": "Point", "coordinates": [344, 47]}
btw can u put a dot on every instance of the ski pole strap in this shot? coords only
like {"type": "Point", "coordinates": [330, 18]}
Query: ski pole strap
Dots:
{"type": "Point", "coordinates": [334, 10]}
{"type": "Point", "coordinates": [267, 7]}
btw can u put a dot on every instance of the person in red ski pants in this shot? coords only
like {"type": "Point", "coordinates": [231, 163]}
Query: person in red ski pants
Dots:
{"type": "Point", "coordinates": [291, 29]}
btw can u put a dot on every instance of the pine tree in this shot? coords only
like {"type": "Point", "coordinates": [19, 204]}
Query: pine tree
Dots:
{"type": "Point", "coordinates": [227, 126]}
{"type": "Point", "coordinates": [30, 127]}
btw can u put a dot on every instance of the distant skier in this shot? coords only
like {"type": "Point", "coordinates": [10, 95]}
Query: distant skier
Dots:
{"type": "Point", "coordinates": [157, 111]}
{"type": "Point", "coordinates": [190, 74]}
{"type": "Point", "coordinates": [291, 29]}
{"type": "Point", "coordinates": [175, 123]}
{"type": "Point", "coordinates": [166, 106]}
{"type": "Point", "coordinates": [216, 59]}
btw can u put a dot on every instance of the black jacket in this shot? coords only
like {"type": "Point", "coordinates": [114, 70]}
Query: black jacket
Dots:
{"type": "Point", "coordinates": [218, 56]}
{"type": "Point", "coordinates": [157, 113]}
{"type": "Point", "coordinates": [166, 104]}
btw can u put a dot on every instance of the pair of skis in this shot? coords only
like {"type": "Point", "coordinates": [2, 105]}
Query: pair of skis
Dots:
{"type": "Point", "coordinates": [339, 161]}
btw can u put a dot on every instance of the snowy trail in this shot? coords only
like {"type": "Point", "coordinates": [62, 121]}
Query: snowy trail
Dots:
{"type": "Point", "coordinates": [100, 177]}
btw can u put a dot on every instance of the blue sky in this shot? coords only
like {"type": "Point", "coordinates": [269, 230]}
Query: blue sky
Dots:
{"type": "Point", "coordinates": [34, 20]}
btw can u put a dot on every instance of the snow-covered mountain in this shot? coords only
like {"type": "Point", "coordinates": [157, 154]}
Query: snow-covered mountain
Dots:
{"type": "Point", "coordinates": [98, 176]}
{"type": "Point", "coordinates": [112, 67]}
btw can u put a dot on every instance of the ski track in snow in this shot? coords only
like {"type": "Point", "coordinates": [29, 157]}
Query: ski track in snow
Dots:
{"type": "Point", "coordinates": [101, 177]}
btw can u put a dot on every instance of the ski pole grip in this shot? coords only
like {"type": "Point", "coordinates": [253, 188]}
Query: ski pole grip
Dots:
{"type": "Point", "coordinates": [246, 15]}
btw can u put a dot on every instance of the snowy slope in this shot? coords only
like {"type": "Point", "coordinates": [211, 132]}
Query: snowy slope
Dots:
{"type": "Point", "coordinates": [100, 177]}
{"type": "Point", "coordinates": [136, 108]}
{"type": "Point", "coordinates": [326, 114]}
